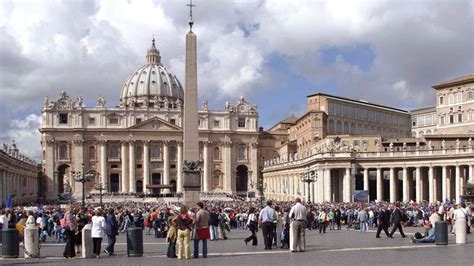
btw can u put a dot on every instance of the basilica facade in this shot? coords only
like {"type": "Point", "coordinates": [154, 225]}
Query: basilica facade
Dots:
{"type": "Point", "coordinates": [137, 146]}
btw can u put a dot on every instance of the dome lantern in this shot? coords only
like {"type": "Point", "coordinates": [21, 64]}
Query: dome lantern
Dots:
{"type": "Point", "coordinates": [153, 55]}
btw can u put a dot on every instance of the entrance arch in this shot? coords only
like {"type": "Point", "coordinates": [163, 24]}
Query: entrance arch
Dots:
{"type": "Point", "coordinates": [63, 170]}
{"type": "Point", "coordinates": [242, 178]}
{"type": "Point", "coordinates": [139, 186]}
{"type": "Point", "coordinates": [114, 182]}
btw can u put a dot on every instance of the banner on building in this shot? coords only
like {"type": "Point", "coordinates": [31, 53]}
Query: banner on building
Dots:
{"type": "Point", "coordinates": [361, 196]}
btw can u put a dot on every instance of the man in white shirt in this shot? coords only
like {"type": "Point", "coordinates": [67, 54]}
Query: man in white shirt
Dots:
{"type": "Point", "coordinates": [267, 217]}
{"type": "Point", "coordinates": [298, 215]}
{"type": "Point", "coordinates": [3, 220]}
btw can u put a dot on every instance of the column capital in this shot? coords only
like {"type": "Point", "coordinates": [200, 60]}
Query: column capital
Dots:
{"type": "Point", "coordinates": [146, 142]}
{"type": "Point", "coordinates": [78, 142]}
{"type": "Point", "coordinates": [165, 142]}
{"type": "Point", "coordinates": [102, 141]}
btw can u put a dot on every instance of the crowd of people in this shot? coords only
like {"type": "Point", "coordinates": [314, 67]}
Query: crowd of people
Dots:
{"type": "Point", "coordinates": [283, 224]}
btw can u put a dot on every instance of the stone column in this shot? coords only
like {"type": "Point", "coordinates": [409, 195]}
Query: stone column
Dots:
{"type": "Point", "coordinates": [436, 179]}
{"type": "Point", "coordinates": [471, 177]}
{"type": "Point", "coordinates": [146, 165]}
{"type": "Point", "coordinates": [444, 182]}
{"type": "Point", "coordinates": [366, 179]}
{"type": "Point", "coordinates": [418, 183]}
{"type": "Point", "coordinates": [347, 186]}
{"type": "Point", "coordinates": [207, 167]}
{"type": "Point", "coordinates": [254, 164]}
{"type": "Point", "coordinates": [327, 185]}
{"type": "Point", "coordinates": [179, 164]}
{"type": "Point", "coordinates": [103, 163]}
{"type": "Point", "coordinates": [393, 186]}
{"type": "Point", "coordinates": [228, 168]}
{"type": "Point", "coordinates": [166, 167]}
{"type": "Point", "coordinates": [406, 187]}
{"type": "Point", "coordinates": [51, 187]}
{"type": "Point", "coordinates": [457, 181]}
{"type": "Point", "coordinates": [132, 167]}
{"type": "Point", "coordinates": [125, 181]}
{"type": "Point", "coordinates": [431, 185]}
{"type": "Point", "coordinates": [78, 162]}
{"type": "Point", "coordinates": [379, 184]}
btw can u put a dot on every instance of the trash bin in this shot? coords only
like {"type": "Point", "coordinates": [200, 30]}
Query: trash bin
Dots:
{"type": "Point", "coordinates": [10, 243]}
{"type": "Point", "coordinates": [441, 229]}
{"type": "Point", "coordinates": [135, 242]}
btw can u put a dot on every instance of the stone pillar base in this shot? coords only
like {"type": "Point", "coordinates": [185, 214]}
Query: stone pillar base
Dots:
{"type": "Point", "coordinates": [460, 229]}
{"type": "Point", "coordinates": [31, 242]}
{"type": "Point", "coordinates": [192, 188]}
{"type": "Point", "coordinates": [87, 242]}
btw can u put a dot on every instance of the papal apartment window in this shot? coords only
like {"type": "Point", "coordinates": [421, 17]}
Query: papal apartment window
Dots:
{"type": "Point", "coordinates": [63, 118]}
{"type": "Point", "coordinates": [91, 121]}
{"type": "Point", "coordinates": [459, 118]}
{"type": "Point", "coordinates": [241, 122]}
{"type": "Point", "coordinates": [441, 120]}
{"type": "Point", "coordinates": [451, 119]}
{"type": "Point", "coordinates": [441, 100]}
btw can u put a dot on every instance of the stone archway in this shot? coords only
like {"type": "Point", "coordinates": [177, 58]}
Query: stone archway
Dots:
{"type": "Point", "coordinates": [242, 178]}
{"type": "Point", "coordinates": [64, 175]}
{"type": "Point", "coordinates": [139, 186]}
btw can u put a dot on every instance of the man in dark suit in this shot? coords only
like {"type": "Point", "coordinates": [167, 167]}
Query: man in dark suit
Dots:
{"type": "Point", "coordinates": [383, 222]}
{"type": "Point", "coordinates": [397, 221]}
{"type": "Point", "coordinates": [112, 232]}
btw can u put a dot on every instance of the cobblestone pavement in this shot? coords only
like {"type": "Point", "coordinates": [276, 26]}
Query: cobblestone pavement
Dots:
{"type": "Point", "coordinates": [335, 248]}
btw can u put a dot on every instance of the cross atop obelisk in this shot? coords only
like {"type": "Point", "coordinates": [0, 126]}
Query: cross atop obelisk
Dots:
{"type": "Point", "coordinates": [191, 171]}
{"type": "Point", "coordinates": [191, 14]}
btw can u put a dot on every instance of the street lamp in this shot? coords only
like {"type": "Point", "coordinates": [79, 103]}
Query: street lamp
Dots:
{"type": "Point", "coordinates": [83, 177]}
{"type": "Point", "coordinates": [309, 177]}
{"type": "Point", "coordinates": [100, 187]}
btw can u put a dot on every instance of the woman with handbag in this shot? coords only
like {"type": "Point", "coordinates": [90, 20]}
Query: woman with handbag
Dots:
{"type": "Point", "coordinates": [69, 224]}
{"type": "Point", "coordinates": [202, 230]}
{"type": "Point", "coordinates": [171, 236]}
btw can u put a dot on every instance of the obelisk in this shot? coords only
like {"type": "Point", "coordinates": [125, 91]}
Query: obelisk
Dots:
{"type": "Point", "coordinates": [191, 171]}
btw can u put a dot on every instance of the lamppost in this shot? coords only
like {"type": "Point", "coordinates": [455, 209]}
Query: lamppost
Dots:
{"type": "Point", "coordinates": [309, 177]}
{"type": "Point", "coordinates": [100, 187]}
{"type": "Point", "coordinates": [83, 177]}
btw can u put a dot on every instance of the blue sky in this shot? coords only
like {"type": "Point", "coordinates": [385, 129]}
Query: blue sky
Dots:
{"type": "Point", "coordinates": [273, 52]}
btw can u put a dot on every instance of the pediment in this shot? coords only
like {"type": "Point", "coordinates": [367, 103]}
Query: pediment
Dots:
{"type": "Point", "coordinates": [156, 123]}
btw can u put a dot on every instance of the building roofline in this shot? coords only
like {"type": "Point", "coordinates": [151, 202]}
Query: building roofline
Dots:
{"type": "Point", "coordinates": [359, 102]}
{"type": "Point", "coordinates": [456, 81]}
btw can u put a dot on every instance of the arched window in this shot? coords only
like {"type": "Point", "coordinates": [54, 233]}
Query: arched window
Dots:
{"type": "Point", "coordinates": [156, 151]}
{"type": "Point", "coordinates": [114, 151]}
{"type": "Point", "coordinates": [217, 153]}
{"type": "Point", "coordinates": [92, 154]}
{"type": "Point", "coordinates": [63, 152]}
{"type": "Point", "coordinates": [173, 152]}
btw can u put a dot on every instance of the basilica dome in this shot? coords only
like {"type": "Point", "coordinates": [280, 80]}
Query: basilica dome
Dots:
{"type": "Point", "coordinates": [151, 83]}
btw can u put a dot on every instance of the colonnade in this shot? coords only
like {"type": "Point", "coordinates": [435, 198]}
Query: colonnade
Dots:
{"type": "Point", "coordinates": [22, 185]}
{"type": "Point", "coordinates": [436, 182]}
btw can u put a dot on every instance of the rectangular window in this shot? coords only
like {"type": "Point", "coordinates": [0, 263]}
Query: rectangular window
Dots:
{"type": "Point", "coordinates": [91, 121]}
{"type": "Point", "coordinates": [63, 118]}
{"type": "Point", "coordinates": [451, 119]}
{"type": "Point", "coordinates": [138, 121]}
{"type": "Point", "coordinates": [173, 121]}
{"type": "Point", "coordinates": [113, 121]}
{"type": "Point", "coordinates": [459, 95]}
{"type": "Point", "coordinates": [441, 120]}
{"type": "Point", "coordinates": [459, 118]}
{"type": "Point", "coordinates": [241, 122]}
{"type": "Point", "coordinates": [441, 100]}
{"type": "Point", "coordinates": [413, 122]}
{"type": "Point", "coordinates": [217, 123]}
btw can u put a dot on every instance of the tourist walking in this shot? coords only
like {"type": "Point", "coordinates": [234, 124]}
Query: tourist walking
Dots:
{"type": "Point", "coordinates": [323, 221]}
{"type": "Point", "coordinates": [278, 226]}
{"type": "Point", "coordinates": [202, 230]}
{"type": "Point", "coordinates": [267, 217]}
{"type": "Point", "coordinates": [98, 231]}
{"type": "Point", "coordinates": [171, 236]}
{"type": "Point", "coordinates": [213, 224]}
{"type": "Point", "coordinates": [362, 217]}
{"type": "Point", "coordinates": [298, 213]}
{"type": "Point", "coordinates": [183, 222]}
{"type": "Point", "coordinates": [383, 223]}
{"type": "Point", "coordinates": [112, 232]}
{"type": "Point", "coordinates": [69, 224]}
{"type": "Point", "coordinates": [397, 221]}
{"type": "Point", "coordinates": [252, 225]}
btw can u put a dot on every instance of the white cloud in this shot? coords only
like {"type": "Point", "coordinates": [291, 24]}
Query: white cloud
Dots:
{"type": "Point", "coordinates": [26, 135]}
{"type": "Point", "coordinates": [90, 47]}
